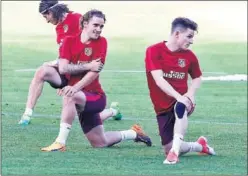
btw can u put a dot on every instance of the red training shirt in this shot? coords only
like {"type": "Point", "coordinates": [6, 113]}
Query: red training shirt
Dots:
{"type": "Point", "coordinates": [175, 67]}
{"type": "Point", "coordinates": [77, 52]}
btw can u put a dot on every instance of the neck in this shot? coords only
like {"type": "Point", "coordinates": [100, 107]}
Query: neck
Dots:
{"type": "Point", "coordinates": [85, 38]}
{"type": "Point", "coordinates": [171, 45]}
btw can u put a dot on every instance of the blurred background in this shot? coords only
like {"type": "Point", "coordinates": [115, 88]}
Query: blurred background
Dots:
{"type": "Point", "coordinates": [217, 20]}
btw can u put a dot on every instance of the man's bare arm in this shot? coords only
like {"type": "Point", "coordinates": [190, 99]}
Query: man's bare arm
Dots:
{"type": "Point", "coordinates": [75, 69]}
{"type": "Point", "coordinates": [86, 80]}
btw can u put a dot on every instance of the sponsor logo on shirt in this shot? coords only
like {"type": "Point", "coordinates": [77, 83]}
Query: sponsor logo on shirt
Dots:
{"type": "Point", "coordinates": [175, 75]}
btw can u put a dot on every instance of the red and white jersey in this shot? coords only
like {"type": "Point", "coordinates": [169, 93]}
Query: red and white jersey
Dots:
{"type": "Point", "coordinates": [175, 66]}
{"type": "Point", "coordinates": [77, 52]}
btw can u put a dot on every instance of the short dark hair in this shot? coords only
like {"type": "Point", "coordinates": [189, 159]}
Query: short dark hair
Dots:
{"type": "Point", "coordinates": [183, 23]}
{"type": "Point", "coordinates": [54, 7]}
{"type": "Point", "coordinates": [90, 14]}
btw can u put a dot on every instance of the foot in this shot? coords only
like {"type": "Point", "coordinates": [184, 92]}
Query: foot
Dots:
{"type": "Point", "coordinates": [115, 106]}
{"type": "Point", "coordinates": [141, 136]}
{"type": "Point", "coordinates": [25, 120]}
{"type": "Point", "coordinates": [56, 146]}
{"type": "Point", "coordinates": [206, 149]}
{"type": "Point", "coordinates": [171, 158]}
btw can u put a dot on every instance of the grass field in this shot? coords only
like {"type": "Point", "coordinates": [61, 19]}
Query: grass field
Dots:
{"type": "Point", "coordinates": [221, 115]}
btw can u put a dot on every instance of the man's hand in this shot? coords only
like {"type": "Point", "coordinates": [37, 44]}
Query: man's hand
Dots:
{"type": "Point", "coordinates": [192, 102]}
{"type": "Point", "coordinates": [53, 63]}
{"type": "Point", "coordinates": [186, 101]}
{"type": "Point", "coordinates": [191, 97]}
{"type": "Point", "coordinates": [96, 65]}
{"type": "Point", "coordinates": [68, 91]}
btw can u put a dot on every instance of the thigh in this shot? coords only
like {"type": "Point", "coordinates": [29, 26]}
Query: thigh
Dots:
{"type": "Point", "coordinates": [96, 137]}
{"type": "Point", "coordinates": [94, 103]}
{"type": "Point", "coordinates": [89, 121]}
{"type": "Point", "coordinates": [89, 109]}
{"type": "Point", "coordinates": [166, 122]}
{"type": "Point", "coordinates": [55, 79]}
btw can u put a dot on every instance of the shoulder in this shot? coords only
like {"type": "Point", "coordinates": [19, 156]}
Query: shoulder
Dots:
{"type": "Point", "coordinates": [70, 39]}
{"type": "Point", "coordinates": [155, 46]}
{"type": "Point", "coordinates": [74, 15]}
{"type": "Point", "coordinates": [101, 40]}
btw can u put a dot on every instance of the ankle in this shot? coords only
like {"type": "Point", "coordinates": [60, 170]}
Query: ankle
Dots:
{"type": "Point", "coordinates": [28, 111]}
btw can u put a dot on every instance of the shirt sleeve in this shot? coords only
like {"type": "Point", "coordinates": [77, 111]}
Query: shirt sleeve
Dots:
{"type": "Point", "coordinates": [152, 61]}
{"type": "Point", "coordinates": [101, 50]}
{"type": "Point", "coordinates": [65, 49]}
{"type": "Point", "coordinates": [194, 69]}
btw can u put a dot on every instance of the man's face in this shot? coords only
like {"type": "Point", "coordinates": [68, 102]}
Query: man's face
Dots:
{"type": "Point", "coordinates": [94, 27]}
{"type": "Point", "coordinates": [49, 18]}
{"type": "Point", "coordinates": [185, 38]}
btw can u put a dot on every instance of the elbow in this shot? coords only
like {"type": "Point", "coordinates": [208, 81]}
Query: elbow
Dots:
{"type": "Point", "coordinates": [158, 83]}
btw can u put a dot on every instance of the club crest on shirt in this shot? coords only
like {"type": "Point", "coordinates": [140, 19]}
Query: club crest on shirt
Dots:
{"type": "Point", "coordinates": [88, 51]}
{"type": "Point", "coordinates": [65, 27]}
{"type": "Point", "coordinates": [181, 62]}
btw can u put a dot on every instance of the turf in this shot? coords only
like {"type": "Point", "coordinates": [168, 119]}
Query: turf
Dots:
{"type": "Point", "coordinates": [221, 115]}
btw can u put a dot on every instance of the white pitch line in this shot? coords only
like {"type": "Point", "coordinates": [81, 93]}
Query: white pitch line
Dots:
{"type": "Point", "coordinates": [116, 71]}
{"type": "Point", "coordinates": [130, 118]}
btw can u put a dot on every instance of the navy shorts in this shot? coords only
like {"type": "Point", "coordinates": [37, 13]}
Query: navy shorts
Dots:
{"type": "Point", "coordinates": [64, 81]}
{"type": "Point", "coordinates": [89, 116]}
{"type": "Point", "coordinates": [166, 122]}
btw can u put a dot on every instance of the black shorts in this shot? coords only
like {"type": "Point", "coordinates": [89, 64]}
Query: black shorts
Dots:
{"type": "Point", "coordinates": [64, 81]}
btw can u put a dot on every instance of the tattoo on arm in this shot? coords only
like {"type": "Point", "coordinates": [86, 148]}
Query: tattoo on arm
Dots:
{"type": "Point", "coordinates": [74, 69]}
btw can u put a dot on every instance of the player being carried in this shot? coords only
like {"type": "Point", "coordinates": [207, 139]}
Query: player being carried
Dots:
{"type": "Point", "coordinates": [168, 64]}
{"type": "Point", "coordinates": [67, 24]}
{"type": "Point", "coordinates": [84, 94]}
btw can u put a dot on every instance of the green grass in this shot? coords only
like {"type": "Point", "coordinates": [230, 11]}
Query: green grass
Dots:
{"type": "Point", "coordinates": [221, 115]}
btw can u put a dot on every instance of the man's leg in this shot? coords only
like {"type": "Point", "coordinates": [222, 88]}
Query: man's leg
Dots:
{"type": "Point", "coordinates": [67, 116]}
{"type": "Point", "coordinates": [180, 128]}
{"type": "Point", "coordinates": [98, 138]}
{"type": "Point", "coordinates": [166, 123]}
{"type": "Point", "coordinates": [201, 146]}
{"type": "Point", "coordinates": [113, 111]}
{"type": "Point", "coordinates": [43, 73]}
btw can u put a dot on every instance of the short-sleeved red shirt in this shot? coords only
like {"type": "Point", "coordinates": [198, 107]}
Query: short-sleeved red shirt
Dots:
{"type": "Point", "coordinates": [175, 66]}
{"type": "Point", "coordinates": [77, 52]}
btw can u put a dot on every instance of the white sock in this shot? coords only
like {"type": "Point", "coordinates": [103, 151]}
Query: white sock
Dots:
{"type": "Point", "coordinates": [177, 141]}
{"type": "Point", "coordinates": [28, 111]}
{"type": "Point", "coordinates": [128, 135]}
{"type": "Point", "coordinates": [63, 133]}
{"type": "Point", "coordinates": [195, 147]}
{"type": "Point", "coordinates": [114, 111]}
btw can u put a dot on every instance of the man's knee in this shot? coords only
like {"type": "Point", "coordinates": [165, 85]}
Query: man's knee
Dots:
{"type": "Point", "coordinates": [98, 145]}
{"type": "Point", "coordinates": [42, 72]}
{"type": "Point", "coordinates": [98, 142]}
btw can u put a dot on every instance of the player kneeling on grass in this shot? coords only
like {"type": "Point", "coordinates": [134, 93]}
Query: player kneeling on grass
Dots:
{"type": "Point", "coordinates": [168, 64]}
{"type": "Point", "coordinates": [84, 94]}
{"type": "Point", "coordinates": [67, 24]}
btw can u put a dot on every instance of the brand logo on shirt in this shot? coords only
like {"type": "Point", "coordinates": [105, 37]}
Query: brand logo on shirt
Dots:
{"type": "Point", "coordinates": [174, 74]}
{"type": "Point", "coordinates": [88, 51]}
{"type": "Point", "coordinates": [65, 27]}
{"type": "Point", "coordinates": [181, 62]}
